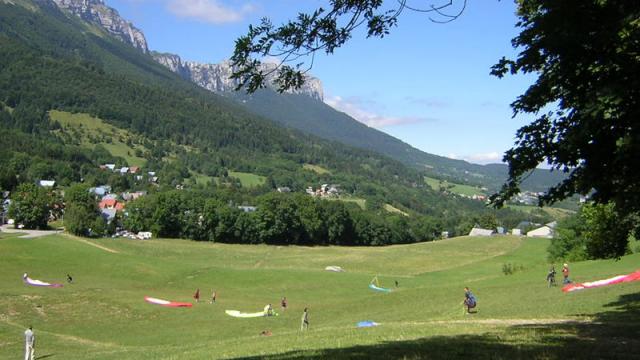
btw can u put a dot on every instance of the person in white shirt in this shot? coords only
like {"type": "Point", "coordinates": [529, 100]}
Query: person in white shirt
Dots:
{"type": "Point", "coordinates": [305, 320]}
{"type": "Point", "coordinates": [30, 343]}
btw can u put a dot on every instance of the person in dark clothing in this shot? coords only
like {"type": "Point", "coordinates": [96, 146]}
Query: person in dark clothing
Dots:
{"type": "Point", "coordinates": [551, 277]}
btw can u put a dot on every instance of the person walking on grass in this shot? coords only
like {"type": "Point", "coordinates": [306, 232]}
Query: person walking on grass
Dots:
{"type": "Point", "coordinates": [213, 297]}
{"type": "Point", "coordinates": [30, 344]}
{"type": "Point", "coordinates": [197, 295]}
{"type": "Point", "coordinates": [469, 301]}
{"type": "Point", "coordinates": [283, 304]}
{"type": "Point", "coordinates": [305, 320]}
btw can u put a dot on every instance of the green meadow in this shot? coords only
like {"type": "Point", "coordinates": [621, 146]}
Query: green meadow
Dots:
{"type": "Point", "coordinates": [92, 127]}
{"type": "Point", "coordinates": [460, 189]}
{"type": "Point", "coordinates": [102, 315]}
{"type": "Point", "coordinates": [248, 179]}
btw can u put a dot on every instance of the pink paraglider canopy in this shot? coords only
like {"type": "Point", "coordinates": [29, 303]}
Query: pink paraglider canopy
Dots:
{"type": "Point", "coordinates": [635, 276]}
{"type": "Point", "coordinates": [167, 303]}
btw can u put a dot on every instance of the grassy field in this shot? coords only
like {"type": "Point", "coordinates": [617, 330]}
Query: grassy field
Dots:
{"type": "Point", "coordinates": [362, 203]}
{"type": "Point", "coordinates": [316, 168]}
{"type": "Point", "coordinates": [103, 315]}
{"type": "Point", "coordinates": [466, 190]}
{"type": "Point", "coordinates": [392, 209]}
{"type": "Point", "coordinates": [556, 213]}
{"type": "Point", "coordinates": [248, 179]}
{"type": "Point", "coordinates": [96, 128]}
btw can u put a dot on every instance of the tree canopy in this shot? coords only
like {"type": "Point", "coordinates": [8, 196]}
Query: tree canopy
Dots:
{"type": "Point", "coordinates": [586, 55]}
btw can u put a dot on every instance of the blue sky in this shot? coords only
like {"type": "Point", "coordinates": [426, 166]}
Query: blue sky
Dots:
{"type": "Point", "coordinates": [427, 84]}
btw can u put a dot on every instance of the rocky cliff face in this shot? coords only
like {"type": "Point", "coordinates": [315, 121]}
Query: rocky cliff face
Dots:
{"type": "Point", "coordinates": [217, 77]}
{"type": "Point", "coordinates": [213, 77]}
{"type": "Point", "coordinates": [97, 12]}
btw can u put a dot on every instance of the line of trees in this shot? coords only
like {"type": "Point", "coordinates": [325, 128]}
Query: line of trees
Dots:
{"type": "Point", "coordinates": [287, 219]}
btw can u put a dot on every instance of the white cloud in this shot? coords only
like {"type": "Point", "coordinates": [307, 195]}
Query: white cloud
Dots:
{"type": "Point", "coordinates": [493, 157]}
{"type": "Point", "coordinates": [485, 158]}
{"type": "Point", "coordinates": [353, 106]}
{"type": "Point", "coordinates": [212, 11]}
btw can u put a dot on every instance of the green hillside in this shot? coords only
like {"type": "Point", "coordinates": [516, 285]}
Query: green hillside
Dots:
{"type": "Point", "coordinates": [460, 189]}
{"type": "Point", "coordinates": [317, 118]}
{"type": "Point", "coordinates": [89, 131]}
{"type": "Point", "coordinates": [106, 102]}
{"type": "Point", "coordinates": [103, 314]}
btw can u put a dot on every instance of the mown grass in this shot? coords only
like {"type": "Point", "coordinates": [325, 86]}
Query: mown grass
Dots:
{"type": "Point", "coordinates": [392, 209]}
{"type": "Point", "coordinates": [362, 203]}
{"type": "Point", "coordinates": [94, 127]}
{"type": "Point", "coordinates": [460, 189]}
{"type": "Point", "coordinates": [248, 179]}
{"type": "Point", "coordinates": [102, 315]}
{"type": "Point", "coordinates": [553, 212]}
{"type": "Point", "coordinates": [316, 168]}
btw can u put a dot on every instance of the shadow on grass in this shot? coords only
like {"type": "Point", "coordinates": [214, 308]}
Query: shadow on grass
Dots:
{"type": "Point", "coordinates": [613, 334]}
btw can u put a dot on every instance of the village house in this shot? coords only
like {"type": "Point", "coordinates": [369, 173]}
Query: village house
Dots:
{"type": "Point", "coordinates": [325, 190]}
{"type": "Point", "coordinates": [546, 231]}
{"type": "Point", "coordinates": [101, 190]}
{"type": "Point", "coordinates": [46, 183]}
{"type": "Point", "coordinates": [477, 231]}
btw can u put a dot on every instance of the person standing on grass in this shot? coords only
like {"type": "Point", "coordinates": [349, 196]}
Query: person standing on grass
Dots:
{"type": "Point", "coordinates": [305, 320]}
{"type": "Point", "coordinates": [197, 295]}
{"type": "Point", "coordinates": [30, 344]}
{"type": "Point", "coordinates": [69, 279]}
{"type": "Point", "coordinates": [551, 276]}
{"type": "Point", "coordinates": [213, 297]}
{"type": "Point", "coordinates": [283, 303]}
{"type": "Point", "coordinates": [565, 274]}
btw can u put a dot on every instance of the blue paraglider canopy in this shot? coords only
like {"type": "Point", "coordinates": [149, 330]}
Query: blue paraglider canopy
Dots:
{"type": "Point", "coordinates": [367, 323]}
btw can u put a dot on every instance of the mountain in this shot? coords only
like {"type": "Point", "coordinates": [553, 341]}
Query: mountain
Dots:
{"type": "Point", "coordinates": [97, 12]}
{"type": "Point", "coordinates": [217, 77]}
{"type": "Point", "coordinates": [303, 109]}
{"type": "Point", "coordinates": [72, 66]}
{"type": "Point", "coordinates": [74, 98]}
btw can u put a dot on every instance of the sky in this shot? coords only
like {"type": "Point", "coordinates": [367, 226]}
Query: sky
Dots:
{"type": "Point", "coordinates": [426, 83]}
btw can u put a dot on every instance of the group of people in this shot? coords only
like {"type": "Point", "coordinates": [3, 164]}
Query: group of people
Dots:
{"type": "Point", "coordinates": [551, 275]}
{"type": "Point", "coordinates": [469, 303]}
{"type": "Point", "coordinates": [214, 296]}
{"type": "Point", "coordinates": [268, 309]}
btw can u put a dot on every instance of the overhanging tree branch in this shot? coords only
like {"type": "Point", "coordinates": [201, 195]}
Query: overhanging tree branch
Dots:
{"type": "Point", "coordinates": [324, 30]}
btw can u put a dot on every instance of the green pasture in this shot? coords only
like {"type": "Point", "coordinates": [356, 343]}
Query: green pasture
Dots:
{"type": "Point", "coordinates": [95, 127]}
{"type": "Point", "coordinates": [316, 168]}
{"type": "Point", "coordinates": [248, 179]}
{"type": "Point", "coordinates": [392, 209]}
{"type": "Point", "coordinates": [555, 213]}
{"type": "Point", "coordinates": [102, 315]}
{"type": "Point", "coordinates": [461, 189]}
